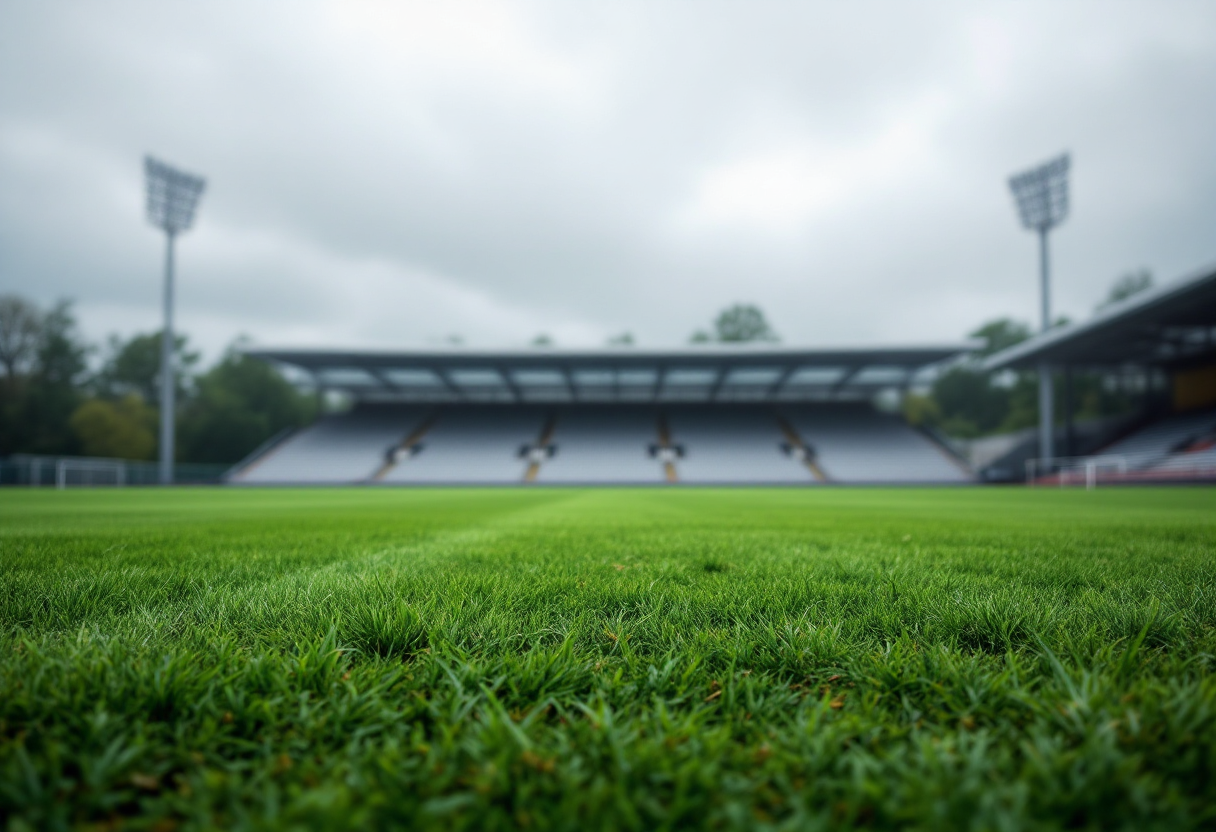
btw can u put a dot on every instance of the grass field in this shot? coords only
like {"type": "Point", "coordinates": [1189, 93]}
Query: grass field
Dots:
{"type": "Point", "coordinates": [603, 659]}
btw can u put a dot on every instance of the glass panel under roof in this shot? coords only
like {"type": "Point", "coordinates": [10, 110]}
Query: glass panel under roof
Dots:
{"type": "Point", "coordinates": [743, 393]}
{"type": "Point", "coordinates": [878, 374]}
{"type": "Point", "coordinates": [539, 378]}
{"type": "Point", "coordinates": [685, 393]}
{"type": "Point", "coordinates": [546, 393]}
{"type": "Point", "coordinates": [697, 376]}
{"type": "Point", "coordinates": [816, 375]}
{"type": "Point", "coordinates": [804, 393]}
{"type": "Point", "coordinates": [348, 376]}
{"type": "Point", "coordinates": [636, 377]}
{"type": "Point", "coordinates": [476, 378]}
{"type": "Point", "coordinates": [412, 378]}
{"type": "Point", "coordinates": [488, 393]}
{"type": "Point", "coordinates": [594, 378]}
{"type": "Point", "coordinates": [753, 375]}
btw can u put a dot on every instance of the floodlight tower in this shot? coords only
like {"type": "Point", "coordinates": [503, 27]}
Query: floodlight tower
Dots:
{"type": "Point", "coordinates": [172, 197]}
{"type": "Point", "coordinates": [1042, 197]}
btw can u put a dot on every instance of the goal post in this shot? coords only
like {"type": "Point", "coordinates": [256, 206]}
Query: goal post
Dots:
{"type": "Point", "coordinates": [76, 471]}
{"type": "Point", "coordinates": [1087, 470]}
{"type": "Point", "coordinates": [90, 472]}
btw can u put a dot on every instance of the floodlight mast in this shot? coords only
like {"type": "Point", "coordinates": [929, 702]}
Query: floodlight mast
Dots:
{"type": "Point", "coordinates": [172, 199]}
{"type": "Point", "coordinates": [1042, 197]}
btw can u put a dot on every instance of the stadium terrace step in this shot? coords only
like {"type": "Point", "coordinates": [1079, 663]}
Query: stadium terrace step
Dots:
{"type": "Point", "coordinates": [409, 446]}
{"type": "Point", "coordinates": [603, 444]}
{"type": "Point", "coordinates": [857, 444]}
{"type": "Point", "coordinates": [339, 448]}
{"type": "Point", "coordinates": [665, 452]}
{"type": "Point", "coordinates": [542, 450]}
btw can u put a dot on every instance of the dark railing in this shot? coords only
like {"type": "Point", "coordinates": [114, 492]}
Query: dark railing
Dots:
{"type": "Point", "coordinates": [76, 471]}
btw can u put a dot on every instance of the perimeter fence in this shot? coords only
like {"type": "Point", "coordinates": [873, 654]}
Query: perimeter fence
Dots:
{"type": "Point", "coordinates": [1113, 469]}
{"type": "Point", "coordinates": [79, 471]}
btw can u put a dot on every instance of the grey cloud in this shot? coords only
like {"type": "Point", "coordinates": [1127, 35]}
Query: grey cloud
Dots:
{"type": "Point", "coordinates": [382, 173]}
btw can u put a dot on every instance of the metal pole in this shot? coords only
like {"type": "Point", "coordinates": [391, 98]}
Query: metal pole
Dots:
{"type": "Point", "coordinates": [1045, 280]}
{"type": "Point", "coordinates": [1046, 407]}
{"type": "Point", "coordinates": [168, 378]}
{"type": "Point", "coordinates": [1070, 432]}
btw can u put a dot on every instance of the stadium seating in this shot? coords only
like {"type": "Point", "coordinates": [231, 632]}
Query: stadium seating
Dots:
{"type": "Point", "coordinates": [477, 444]}
{"type": "Point", "coordinates": [1152, 446]}
{"type": "Point", "coordinates": [733, 445]}
{"type": "Point", "coordinates": [855, 443]}
{"type": "Point", "coordinates": [342, 448]}
{"type": "Point", "coordinates": [603, 445]}
{"type": "Point", "coordinates": [614, 443]}
{"type": "Point", "coordinates": [1189, 463]}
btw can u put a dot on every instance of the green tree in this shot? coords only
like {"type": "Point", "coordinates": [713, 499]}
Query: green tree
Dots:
{"type": "Point", "coordinates": [739, 323]}
{"type": "Point", "coordinates": [1126, 285]}
{"type": "Point", "coordinates": [1023, 410]}
{"type": "Point", "coordinates": [125, 429]}
{"type": "Point", "coordinates": [20, 335]}
{"type": "Point", "coordinates": [921, 410]}
{"type": "Point", "coordinates": [37, 403]}
{"type": "Point", "coordinates": [238, 404]}
{"type": "Point", "coordinates": [1000, 334]}
{"type": "Point", "coordinates": [20, 328]}
{"type": "Point", "coordinates": [969, 401]}
{"type": "Point", "coordinates": [133, 366]}
{"type": "Point", "coordinates": [61, 354]}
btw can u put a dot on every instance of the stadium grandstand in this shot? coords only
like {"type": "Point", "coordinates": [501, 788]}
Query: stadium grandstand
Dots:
{"type": "Point", "coordinates": [1165, 338]}
{"type": "Point", "coordinates": [717, 414]}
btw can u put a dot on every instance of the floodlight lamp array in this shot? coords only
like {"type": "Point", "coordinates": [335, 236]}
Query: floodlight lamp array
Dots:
{"type": "Point", "coordinates": [1042, 194]}
{"type": "Point", "coordinates": [172, 196]}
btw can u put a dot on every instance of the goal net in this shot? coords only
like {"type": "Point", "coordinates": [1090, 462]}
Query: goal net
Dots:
{"type": "Point", "coordinates": [90, 472]}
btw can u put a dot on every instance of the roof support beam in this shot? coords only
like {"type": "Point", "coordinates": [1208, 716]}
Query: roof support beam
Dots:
{"type": "Point", "coordinates": [718, 382]}
{"type": "Point", "coordinates": [443, 368]}
{"type": "Point", "coordinates": [567, 380]}
{"type": "Point", "coordinates": [507, 380]}
{"type": "Point", "coordinates": [376, 373]}
{"type": "Point", "coordinates": [844, 380]}
{"type": "Point", "coordinates": [786, 372]}
{"type": "Point", "coordinates": [455, 388]}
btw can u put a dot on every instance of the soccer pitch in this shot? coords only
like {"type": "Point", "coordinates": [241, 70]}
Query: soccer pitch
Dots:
{"type": "Point", "coordinates": [603, 659]}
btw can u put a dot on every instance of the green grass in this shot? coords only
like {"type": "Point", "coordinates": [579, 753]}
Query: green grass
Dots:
{"type": "Point", "coordinates": [605, 659]}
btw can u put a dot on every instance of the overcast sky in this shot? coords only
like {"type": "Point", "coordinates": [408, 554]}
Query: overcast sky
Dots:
{"type": "Point", "coordinates": [388, 174]}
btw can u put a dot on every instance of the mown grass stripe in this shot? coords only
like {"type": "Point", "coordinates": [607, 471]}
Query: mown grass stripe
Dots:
{"type": "Point", "coordinates": [602, 659]}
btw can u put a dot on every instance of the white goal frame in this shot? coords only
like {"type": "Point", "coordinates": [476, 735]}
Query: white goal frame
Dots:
{"type": "Point", "coordinates": [90, 468]}
{"type": "Point", "coordinates": [1075, 470]}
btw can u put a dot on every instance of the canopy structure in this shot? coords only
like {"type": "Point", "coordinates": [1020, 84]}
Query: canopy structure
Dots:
{"type": "Point", "coordinates": [1170, 326]}
{"type": "Point", "coordinates": [710, 373]}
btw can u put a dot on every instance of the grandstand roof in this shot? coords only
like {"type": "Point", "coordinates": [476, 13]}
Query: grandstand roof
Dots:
{"type": "Point", "coordinates": [718, 373]}
{"type": "Point", "coordinates": [1166, 325]}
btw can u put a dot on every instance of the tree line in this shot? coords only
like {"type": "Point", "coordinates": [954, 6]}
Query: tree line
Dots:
{"type": "Point", "coordinates": [967, 402]}
{"type": "Point", "coordinates": [53, 402]}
